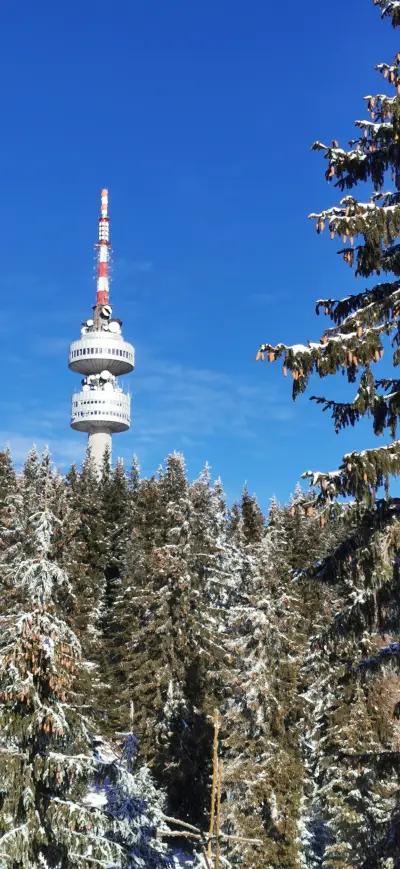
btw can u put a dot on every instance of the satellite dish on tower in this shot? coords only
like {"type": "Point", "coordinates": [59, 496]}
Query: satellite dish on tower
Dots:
{"type": "Point", "coordinates": [114, 327]}
{"type": "Point", "coordinates": [106, 312]}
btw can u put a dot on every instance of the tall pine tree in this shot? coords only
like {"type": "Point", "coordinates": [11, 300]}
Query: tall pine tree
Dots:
{"type": "Point", "coordinates": [350, 674]}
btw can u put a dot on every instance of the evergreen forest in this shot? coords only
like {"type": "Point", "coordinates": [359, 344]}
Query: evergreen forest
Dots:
{"type": "Point", "coordinates": [189, 683]}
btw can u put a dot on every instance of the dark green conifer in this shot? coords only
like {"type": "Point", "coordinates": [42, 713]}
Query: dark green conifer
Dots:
{"type": "Point", "coordinates": [253, 519]}
{"type": "Point", "coordinates": [350, 750]}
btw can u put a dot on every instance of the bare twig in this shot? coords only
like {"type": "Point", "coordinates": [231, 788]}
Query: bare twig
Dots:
{"type": "Point", "coordinates": [181, 834]}
{"type": "Point", "coordinates": [241, 839]}
{"type": "Point", "coordinates": [214, 779]}
{"type": "Point", "coordinates": [206, 860]}
{"type": "Point", "coordinates": [205, 836]}
{"type": "Point", "coordinates": [182, 824]}
{"type": "Point", "coordinates": [218, 817]}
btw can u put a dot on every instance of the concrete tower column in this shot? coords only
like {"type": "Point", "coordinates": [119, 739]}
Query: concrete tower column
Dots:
{"type": "Point", "coordinates": [98, 442]}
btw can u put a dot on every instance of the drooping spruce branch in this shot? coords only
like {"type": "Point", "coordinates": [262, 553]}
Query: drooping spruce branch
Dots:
{"type": "Point", "coordinates": [387, 656]}
{"type": "Point", "coordinates": [346, 558]}
{"type": "Point", "coordinates": [384, 409]}
{"type": "Point", "coordinates": [377, 222]}
{"type": "Point", "coordinates": [372, 306]}
{"type": "Point", "coordinates": [376, 151]}
{"type": "Point", "coordinates": [365, 570]}
{"type": "Point", "coordinates": [347, 352]}
{"type": "Point", "coordinates": [359, 474]}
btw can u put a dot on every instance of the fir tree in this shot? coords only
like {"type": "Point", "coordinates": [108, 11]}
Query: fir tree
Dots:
{"type": "Point", "coordinates": [7, 478]}
{"type": "Point", "coordinates": [85, 560]}
{"type": "Point", "coordinates": [51, 763]}
{"type": "Point", "coordinates": [165, 630]}
{"type": "Point", "coordinates": [262, 716]}
{"type": "Point", "coordinates": [167, 651]}
{"type": "Point", "coordinates": [253, 519]}
{"type": "Point", "coordinates": [10, 512]}
{"type": "Point", "coordinates": [352, 746]}
{"type": "Point", "coordinates": [45, 755]}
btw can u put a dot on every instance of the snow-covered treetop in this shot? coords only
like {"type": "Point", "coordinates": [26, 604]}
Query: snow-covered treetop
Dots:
{"type": "Point", "coordinates": [391, 9]}
{"type": "Point", "coordinates": [39, 575]}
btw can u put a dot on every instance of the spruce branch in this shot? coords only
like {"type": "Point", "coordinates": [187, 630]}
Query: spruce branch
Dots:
{"type": "Point", "coordinates": [359, 544]}
{"type": "Point", "coordinates": [378, 219]}
{"type": "Point", "coordinates": [348, 352]}
{"type": "Point", "coordinates": [390, 9]}
{"type": "Point", "coordinates": [359, 475]}
{"type": "Point", "coordinates": [368, 308]}
{"type": "Point", "coordinates": [384, 409]}
{"type": "Point", "coordinates": [387, 656]}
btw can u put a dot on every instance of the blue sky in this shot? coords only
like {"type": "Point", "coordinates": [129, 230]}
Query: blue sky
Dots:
{"type": "Point", "coordinates": [199, 118]}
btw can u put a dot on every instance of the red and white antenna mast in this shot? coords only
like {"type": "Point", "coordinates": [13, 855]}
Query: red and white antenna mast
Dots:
{"type": "Point", "coordinates": [103, 252]}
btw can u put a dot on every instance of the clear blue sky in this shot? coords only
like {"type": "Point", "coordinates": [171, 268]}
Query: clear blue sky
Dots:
{"type": "Point", "coordinates": [199, 118]}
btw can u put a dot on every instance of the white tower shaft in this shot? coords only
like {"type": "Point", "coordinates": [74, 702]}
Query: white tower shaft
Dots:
{"type": "Point", "coordinates": [98, 443]}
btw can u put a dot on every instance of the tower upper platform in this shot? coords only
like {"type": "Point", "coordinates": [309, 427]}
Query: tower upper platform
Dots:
{"type": "Point", "coordinates": [98, 350]}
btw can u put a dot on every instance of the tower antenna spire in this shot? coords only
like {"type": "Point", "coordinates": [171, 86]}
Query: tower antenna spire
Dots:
{"type": "Point", "coordinates": [103, 252]}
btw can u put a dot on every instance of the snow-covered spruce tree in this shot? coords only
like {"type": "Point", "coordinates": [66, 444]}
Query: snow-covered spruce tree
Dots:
{"type": "Point", "coordinates": [350, 684]}
{"type": "Point", "coordinates": [167, 650]}
{"type": "Point", "coordinates": [160, 608]}
{"type": "Point", "coordinates": [45, 750]}
{"type": "Point", "coordinates": [102, 516]}
{"type": "Point", "coordinates": [253, 519]}
{"type": "Point", "coordinates": [84, 559]}
{"type": "Point", "coordinates": [86, 551]}
{"type": "Point", "coordinates": [354, 740]}
{"type": "Point", "coordinates": [249, 748]}
{"type": "Point", "coordinates": [128, 795]}
{"type": "Point", "coordinates": [7, 478]}
{"type": "Point", "coordinates": [10, 514]}
{"type": "Point", "coordinates": [50, 763]}
{"type": "Point", "coordinates": [40, 483]}
{"type": "Point", "coordinates": [122, 660]}
{"type": "Point", "coordinates": [269, 630]}
{"type": "Point", "coordinates": [118, 512]}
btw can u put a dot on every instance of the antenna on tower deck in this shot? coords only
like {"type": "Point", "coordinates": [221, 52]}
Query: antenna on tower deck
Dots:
{"type": "Point", "coordinates": [103, 252]}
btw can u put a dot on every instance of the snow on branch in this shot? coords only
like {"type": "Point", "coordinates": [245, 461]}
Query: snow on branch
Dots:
{"type": "Point", "coordinates": [371, 155]}
{"type": "Point", "coordinates": [381, 216]}
{"type": "Point", "coordinates": [40, 579]}
{"type": "Point", "coordinates": [336, 566]}
{"type": "Point", "coordinates": [391, 9]}
{"type": "Point", "coordinates": [389, 655]}
{"type": "Point", "coordinates": [365, 308]}
{"type": "Point", "coordinates": [359, 475]}
{"type": "Point", "coordinates": [347, 351]}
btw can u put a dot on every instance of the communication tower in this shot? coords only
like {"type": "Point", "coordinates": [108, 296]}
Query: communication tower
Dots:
{"type": "Point", "coordinates": [101, 407]}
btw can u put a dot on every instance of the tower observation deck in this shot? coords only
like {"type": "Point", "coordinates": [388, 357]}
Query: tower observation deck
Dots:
{"type": "Point", "coordinates": [101, 354]}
